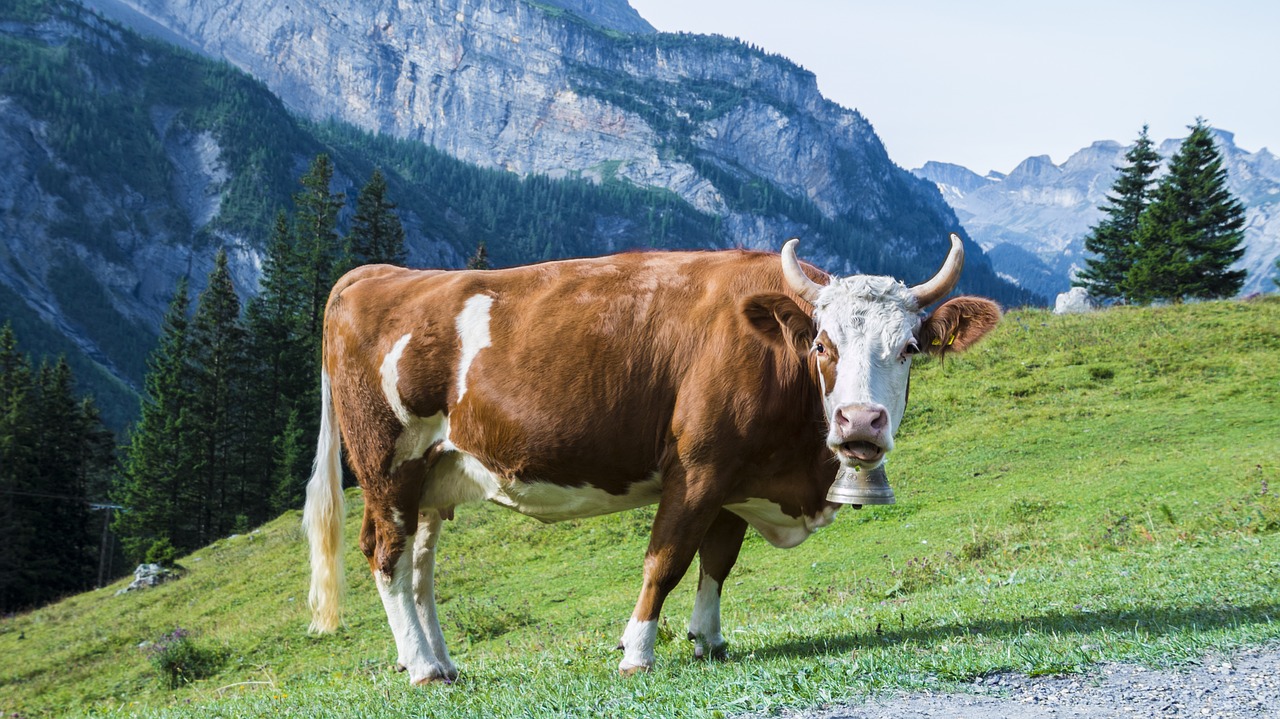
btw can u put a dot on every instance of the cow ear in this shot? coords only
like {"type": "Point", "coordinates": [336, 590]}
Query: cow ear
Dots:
{"type": "Point", "coordinates": [779, 320]}
{"type": "Point", "coordinates": [957, 324]}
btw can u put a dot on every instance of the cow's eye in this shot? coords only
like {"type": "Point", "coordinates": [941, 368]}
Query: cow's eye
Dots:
{"type": "Point", "coordinates": [820, 348]}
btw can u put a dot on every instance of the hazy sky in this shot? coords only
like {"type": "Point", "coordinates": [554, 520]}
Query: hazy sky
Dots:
{"type": "Point", "coordinates": [986, 84]}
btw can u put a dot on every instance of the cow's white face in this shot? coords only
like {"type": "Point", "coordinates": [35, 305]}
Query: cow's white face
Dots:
{"type": "Point", "coordinates": [865, 339]}
{"type": "Point", "coordinates": [866, 331]}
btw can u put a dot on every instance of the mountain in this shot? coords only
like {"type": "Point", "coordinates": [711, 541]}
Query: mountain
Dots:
{"type": "Point", "coordinates": [543, 130]}
{"type": "Point", "coordinates": [585, 88]}
{"type": "Point", "coordinates": [1032, 222]}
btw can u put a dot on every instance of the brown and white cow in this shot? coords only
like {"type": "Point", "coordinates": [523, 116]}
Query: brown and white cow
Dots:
{"type": "Point", "coordinates": [724, 386]}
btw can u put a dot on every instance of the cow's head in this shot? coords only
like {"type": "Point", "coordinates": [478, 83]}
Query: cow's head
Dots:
{"type": "Point", "coordinates": [865, 331]}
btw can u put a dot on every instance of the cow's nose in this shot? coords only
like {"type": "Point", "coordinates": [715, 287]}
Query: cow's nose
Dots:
{"type": "Point", "coordinates": [860, 421]}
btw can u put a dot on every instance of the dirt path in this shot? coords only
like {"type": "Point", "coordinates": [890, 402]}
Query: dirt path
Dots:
{"type": "Point", "coordinates": [1246, 684]}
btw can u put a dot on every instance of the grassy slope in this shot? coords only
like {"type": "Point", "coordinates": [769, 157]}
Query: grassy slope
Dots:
{"type": "Point", "coordinates": [1075, 489]}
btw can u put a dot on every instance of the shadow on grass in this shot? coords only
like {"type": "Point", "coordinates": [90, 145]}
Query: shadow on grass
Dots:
{"type": "Point", "coordinates": [1152, 621]}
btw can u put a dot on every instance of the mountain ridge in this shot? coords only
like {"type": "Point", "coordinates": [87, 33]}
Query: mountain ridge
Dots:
{"type": "Point", "coordinates": [1032, 222]}
{"type": "Point", "coordinates": [129, 161]}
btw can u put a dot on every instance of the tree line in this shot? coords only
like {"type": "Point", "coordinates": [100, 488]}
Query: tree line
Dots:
{"type": "Point", "coordinates": [229, 414]}
{"type": "Point", "coordinates": [1168, 239]}
{"type": "Point", "coordinates": [231, 405]}
{"type": "Point", "coordinates": [56, 457]}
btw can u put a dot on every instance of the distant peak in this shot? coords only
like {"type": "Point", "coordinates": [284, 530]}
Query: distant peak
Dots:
{"type": "Point", "coordinates": [1033, 168]}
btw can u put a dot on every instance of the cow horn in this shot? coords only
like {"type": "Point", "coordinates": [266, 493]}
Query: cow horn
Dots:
{"type": "Point", "coordinates": [796, 278]}
{"type": "Point", "coordinates": [947, 277]}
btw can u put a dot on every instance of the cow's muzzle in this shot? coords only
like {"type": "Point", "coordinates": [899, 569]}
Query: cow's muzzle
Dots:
{"type": "Point", "coordinates": [860, 435]}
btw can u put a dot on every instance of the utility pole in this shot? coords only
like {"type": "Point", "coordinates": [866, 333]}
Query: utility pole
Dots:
{"type": "Point", "coordinates": [104, 553]}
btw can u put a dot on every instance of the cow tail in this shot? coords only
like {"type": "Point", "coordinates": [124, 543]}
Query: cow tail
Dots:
{"type": "Point", "coordinates": [322, 519]}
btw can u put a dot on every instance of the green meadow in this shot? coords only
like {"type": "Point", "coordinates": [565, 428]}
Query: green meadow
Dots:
{"type": "Point", "coordinates": [1074, 490]}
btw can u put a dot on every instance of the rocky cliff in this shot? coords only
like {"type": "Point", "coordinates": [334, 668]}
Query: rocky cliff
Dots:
{"type": "Point", "coordinates": [127, 162]}
{"type": "Point", "coordinates": [580, 88]}
{"type": "Point", "coordinates": [1032, 222]}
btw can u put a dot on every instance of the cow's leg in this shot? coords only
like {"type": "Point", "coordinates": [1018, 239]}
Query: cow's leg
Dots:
{"type": "Point", "coordinates": [684, 513]}
{"type": "Point", "coordinates": [424, 589]}
{"type": "Point", "coordinates": [716, 556]}
{"type": "Point", "coordinates": [389, 538]}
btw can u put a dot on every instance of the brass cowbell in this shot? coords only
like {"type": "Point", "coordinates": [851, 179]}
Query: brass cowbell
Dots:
{"type": "Point", "coordinates": [858, 487]}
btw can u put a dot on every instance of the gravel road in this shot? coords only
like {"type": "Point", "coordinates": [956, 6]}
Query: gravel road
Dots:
{"type": "Point", "coordinates": [1245, 684]}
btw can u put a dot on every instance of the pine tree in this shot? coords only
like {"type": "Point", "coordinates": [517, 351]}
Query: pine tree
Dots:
{"type": "Point", "coordinates": [54, 455]}
{"type": "Point", "coordinates": [376, 233]}
{"type": "Point", "coordinates": [18, 514]}
{"type": "Point", "coordinates": [69, 564]}
{"type": "Point", "coordinates": [1192, 232]}
{"type": "Point", "coordinates": [318, 242]}
{"type": "Point", "coordinates": [479, 260]}
{"type": "Point", "coordinates": [1111, 240]}
{"type": "Point", "coordinates": [219, 364]}
{"type": "Point", "coordinates": [290, 460]}
{"type": "Point", "coordinates": [156, 492]}
{"type": "Point", "coordinates": [282, 370]}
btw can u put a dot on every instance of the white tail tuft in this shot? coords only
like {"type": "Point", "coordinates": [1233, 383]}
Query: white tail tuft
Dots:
{"type": "Point", "coordinates": [322, 519]}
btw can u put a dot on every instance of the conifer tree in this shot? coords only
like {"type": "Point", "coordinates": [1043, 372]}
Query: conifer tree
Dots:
{"type": "Point", "coordinates": [159, 502]}
{"type": "Point", "coordinates": [67, 565]}
{"type": "Point", "coordinates": [18, 515]}
{"type": "Point", "coordinates": [291, 456]}
{"type": "Point", "coordinates": [1192, 232]}
{"type": "Point", "coordinates": [318, 242]}
{"type": "Point", "coordinates": [479, 260]}
{"type": "Point", "coordinates": [377, 236]}
{"type": "Point", "coordinates": [280, 361]}
{"type": "Point", "coordinates": [55, 456]}
{"type": "Point", "coordinates": [219, 364]}
{"type": "Point", "coordinates": [1111, 240]}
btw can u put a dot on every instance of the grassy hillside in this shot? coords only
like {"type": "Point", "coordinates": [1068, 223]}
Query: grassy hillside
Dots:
{"type": "Point", "coordinates": [1075, 489]}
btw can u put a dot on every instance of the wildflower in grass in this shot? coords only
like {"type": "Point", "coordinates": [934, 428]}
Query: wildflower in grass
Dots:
{"type": "Point", "coordinates": [179, 660]}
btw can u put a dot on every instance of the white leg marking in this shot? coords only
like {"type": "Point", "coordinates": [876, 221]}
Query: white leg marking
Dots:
{"type": "Point", "coordinates": [424, 587]}
{"type": "Point", "coordinates": [413, 651]}
{"type": "Point", "coordinates": [637, 644]}
{"type": "Point", "coordinates": [704, 625]}
{"type": "Point", "coordinates": [391, 375]}
{"type": "Point", "coordinates": [473, 331]}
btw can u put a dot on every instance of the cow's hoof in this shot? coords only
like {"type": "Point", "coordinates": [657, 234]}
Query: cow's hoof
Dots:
{"type": "Point", "coordinates": [433, 674]}
{"type": "Point", "coordinates": [708, 647]}
{"type": "Point", "coordinates": [428, 681]}
{"type": "Point", "coordinates": [628, 670]}
{"type": "Point", "coordinates": [716, 653]}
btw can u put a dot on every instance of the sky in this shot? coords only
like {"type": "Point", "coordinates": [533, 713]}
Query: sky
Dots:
{"type": "Point", "coordinates": [986, 84]}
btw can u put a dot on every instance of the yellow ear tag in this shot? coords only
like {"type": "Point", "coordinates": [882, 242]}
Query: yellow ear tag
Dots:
{"type": "Point", "coordinates": [951, 341]}
{"type": "Point", "coordinates": [936, 341]}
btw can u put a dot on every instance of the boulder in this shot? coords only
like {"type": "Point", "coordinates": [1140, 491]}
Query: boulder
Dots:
{"type": "Point", "coordinates": [1074, 301]}
{"type": "Point", "coordinates": [149, 575]}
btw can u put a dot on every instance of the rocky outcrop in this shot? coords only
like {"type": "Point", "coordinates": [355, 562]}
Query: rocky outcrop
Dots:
{"type": "Point", "coordinates": [579, 88]}
{"type": "Point", "coordinates": [146, 576]}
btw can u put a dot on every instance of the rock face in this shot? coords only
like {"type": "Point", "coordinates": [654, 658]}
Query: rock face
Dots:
{"type": "Point", "coordinates": [1032, 222]}
{"type": "Point", "coordinates": [582, 88]}
{"type": "Point", "coordinates": [96, 259]}
{"type": "Point", "coordinates": [728, 146]}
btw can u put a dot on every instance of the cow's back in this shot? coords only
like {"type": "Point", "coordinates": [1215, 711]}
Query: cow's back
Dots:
{"type": "Point", "coordinates": [575, 372]}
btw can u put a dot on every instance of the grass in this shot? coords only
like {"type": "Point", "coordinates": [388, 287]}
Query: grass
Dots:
{"type": "Point", "coordinates": [1074, 490]}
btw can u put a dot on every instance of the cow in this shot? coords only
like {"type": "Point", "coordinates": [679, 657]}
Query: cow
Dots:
{"type": "Point", "coordinates": [729, 387]}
